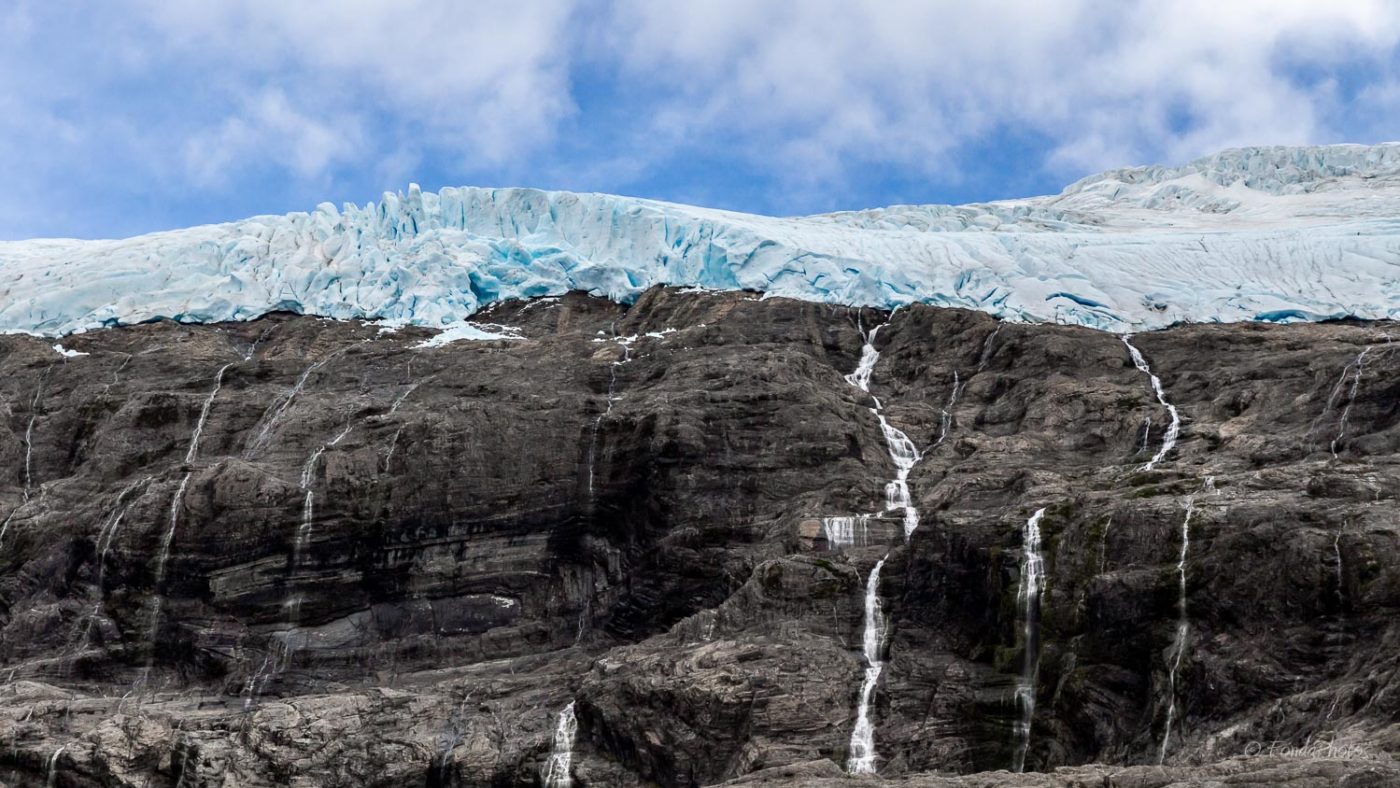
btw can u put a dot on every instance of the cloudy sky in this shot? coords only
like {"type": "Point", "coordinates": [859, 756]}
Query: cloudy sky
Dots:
{"type": "Point", "coordinates": [129, 116]}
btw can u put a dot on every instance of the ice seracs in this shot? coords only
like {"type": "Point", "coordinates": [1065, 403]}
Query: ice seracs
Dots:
{"type": "Point", "coordinates": [1272, 234]}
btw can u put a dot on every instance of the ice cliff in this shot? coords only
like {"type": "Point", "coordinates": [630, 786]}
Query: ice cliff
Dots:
{"type": "Point", "coordinates": [1272, 234]}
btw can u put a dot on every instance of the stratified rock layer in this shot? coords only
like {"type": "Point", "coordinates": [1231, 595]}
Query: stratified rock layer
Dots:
{"type": "Point", "coordinates": [391, 565]}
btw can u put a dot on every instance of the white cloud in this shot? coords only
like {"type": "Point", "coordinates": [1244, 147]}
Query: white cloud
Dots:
{"type": "Point", "coordinates": [146, 104]}
{"type": "Point", "coordinates": [829, 84]}
{"type": "Point", "coordinates": [488, 79]}
{"type": "Point", "coordinates": [268, 128]}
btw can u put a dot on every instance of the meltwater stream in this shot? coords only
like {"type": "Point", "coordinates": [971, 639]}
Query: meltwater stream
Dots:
{"type": "Point", "coordinates": [841, 532]}
{"type": "Point", "coordinates": [1174, 428]}
{"type": "Point", "coordinates": [1353, 371]}
{"type": "Point", "coordinates": [1028, 605]}
{"type": "Point", "coordinates": [612, 398]}
{"type": "Point", "coordinates": [176, 506]}
{"type": "Point", "coordinates": [847, 531]}
{"type": "Point", "coordinates": [556, 772]}
{"type": "Point", "coordinates": [862, 758]}
{"type": "Point", "coordinates": [308, 509]}
{"type": "Point", "coordinates": [1182, 626]}
{"type": "Point", "coordinates": [902, 450]}
{"type": "Point", "coordinates": [29, 435]}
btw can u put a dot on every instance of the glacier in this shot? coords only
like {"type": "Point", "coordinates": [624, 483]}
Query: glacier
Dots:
{"type": "Point", "coordinates": [1264, 234]}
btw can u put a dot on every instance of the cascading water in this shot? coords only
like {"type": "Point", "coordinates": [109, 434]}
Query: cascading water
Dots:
{"type": "Point", "coordinates": [176, 505]}
{"type": "Point", "coordinates": [902, 450]}
{"type": "Point", "coordinates": [204, 414]}
{"type": "Point", "coordinates": [1360, 366]}
{"type": "Point", "coordinates": [556, 772]}
{"type": "Point", "coordinates": [51, 778]}
{"type": "Point", "coordinates": [862, 758]}
{"type": "Point", "coordinates": [1028, 602]}
{"type": "Point", "coordinates": [945, 425]}
{"type": "Point", "coordinates": [394, 408]}
{"type": "Point", "coordinates": [29, 437]}
{"type": "Point", "coordinates": [897, 498]}
{"type": "Point", "coordinates": [286, 402]}
{"type": "Point", "coordinates": [308, 506]}
{"type": "Point", "coordinates": [1179, 642]}
{"type": "Point", "coordinates": [865, 366]}
{"type": "Point", "coordinates": [841, 532]}
{"type": "Point", "coordinates": [5, 524]}
{"type": "Point", "coordinates": [158, 600]}
{"type": "Point", "coordinates": [1174, 428]}
{"type": "Point", "coordinates": [612, 397]}
{"type": "Point", "coordinates": [105, 537]}
{"type": "Point", "coordinates": [986, 356]}
{"type": "Point", "coordinates": [905, 457]}
{"type": "Point", "coordinates": [1103, 545]}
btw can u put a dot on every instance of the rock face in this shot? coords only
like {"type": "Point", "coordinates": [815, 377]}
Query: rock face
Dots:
{"type": "Point", "coordinates": [303, 552]}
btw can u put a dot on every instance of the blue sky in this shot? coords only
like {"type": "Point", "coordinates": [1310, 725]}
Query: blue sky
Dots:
{"type": "Point", "coordinates": [132, 116]}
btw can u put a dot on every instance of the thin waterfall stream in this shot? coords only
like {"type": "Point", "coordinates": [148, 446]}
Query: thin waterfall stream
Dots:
{"type": "Point", "coordinates": [1028, 595]}
{"type": "Point", "coordinates": [862, 757]}
{"type": "Point", "coordinates": [176, 506]}
{"type": "Point", "coordinates": [1174, 428]}
{"type": "Point", "coordinates": [1182, 628]}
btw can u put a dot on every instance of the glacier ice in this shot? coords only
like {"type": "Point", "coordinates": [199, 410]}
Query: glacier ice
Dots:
{"type": "Point", "coordinates": [1270, 234]}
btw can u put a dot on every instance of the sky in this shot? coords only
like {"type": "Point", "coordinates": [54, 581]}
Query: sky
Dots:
{"type": "Point", "coordinates": [131, 116]}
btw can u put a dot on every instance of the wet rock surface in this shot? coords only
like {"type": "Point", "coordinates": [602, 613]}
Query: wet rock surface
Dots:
{"type": "Point", "coordinates": [305, 552]}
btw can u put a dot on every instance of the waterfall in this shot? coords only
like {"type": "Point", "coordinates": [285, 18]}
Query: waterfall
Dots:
{"type": "Point", "coordinates": [556, 770]}
{"type": "Point", "coordinates": [1028, 601]}
{"type": "Point", "coordinates": [105, 537]}
{"type": "Point", "coordinates": [1173, 429]}
{"type": "Point", "coordinates": [175, 506]}
{"type": "Point", "coordinates": [303, 537]}
{"type": "Point", "coordinates": [1103, 546]}
{"type": "Point", "coordinates": [158, 600]}
{"type": "Point", "coordinates": [902, 450]}
{"type": "Point", "coordinates": [946, 418]}
{"type": "Point", "coordinates": [905, 457]}
{"type": "Point", "coordinates": [5, 525]}
{"type": "Point", "coordinates": [846, 531]}
{"type": "Point", "coordinates": [204, 414]}
{"type": "Point", "coordinates": [1146, 434]}
{"type": "Point", "coordinates": [52, 778]}
{"type": "Point", "coordinates": [986, 355]}
{"type": "Point", "coordinates": [1341, 572]}
{"type": "Point", "coordinates": [1179, 642]}
{"type": "Point", "coordinates": [253, 348]}
{"type": "Point", "coordinates": [29, 438]}
{"type": "Point", "coordinates": [1359, 365]}
{"type": "Point", "coordinates": [399, 400]}
{"type": "Point", "coordinates": [1352, 370]}
{"type": "Point", "coordinates": [612, 397]}
{"type": "Point", "coordinates": [394, 408]}
{"type": "Point", "coordinates": [862, 759]}
{"type": "Point", "coordinates": [286, 402]}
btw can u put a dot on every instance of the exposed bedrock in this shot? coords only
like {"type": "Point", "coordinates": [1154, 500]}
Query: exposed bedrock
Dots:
{"type": "Point", "coordinates": [295, 551]}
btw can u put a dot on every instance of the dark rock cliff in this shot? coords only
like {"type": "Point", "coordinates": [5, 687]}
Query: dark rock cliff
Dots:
{"type": "Point", "coordinates": [304, 552]}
